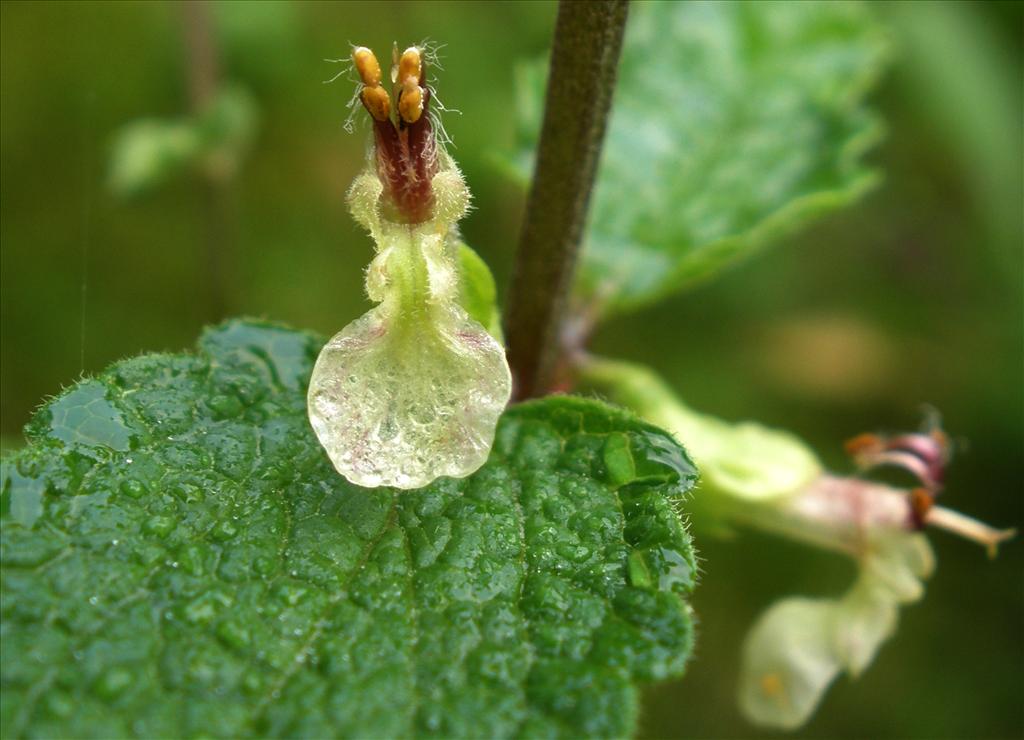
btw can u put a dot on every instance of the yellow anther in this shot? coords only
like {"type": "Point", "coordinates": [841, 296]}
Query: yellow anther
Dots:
{"type": "Point", "coordinates": [377, 101]}
{"type": "Point", "coordinates": [367, 66]}
{"type": "Point", "coordinates": [410, 65]}
{"type": "Point", "coordinates": [410, 101]}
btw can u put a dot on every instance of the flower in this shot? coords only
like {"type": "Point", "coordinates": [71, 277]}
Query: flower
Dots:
{"type": "Point", "coordinates": [766, 479]}
{"type": "Point", "coordinates": [413, 389]}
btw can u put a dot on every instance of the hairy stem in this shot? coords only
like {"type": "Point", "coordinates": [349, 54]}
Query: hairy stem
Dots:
{"type": "Point", "coordinates": [584, 58]}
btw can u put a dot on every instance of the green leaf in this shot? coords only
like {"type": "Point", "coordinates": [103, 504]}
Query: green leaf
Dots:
{"type": "Point", "coordinates": [179, 558]}
{"type": "Point", "coordinates": [732, 124]}
{"type": "Point", "coordinates": [478, 294]}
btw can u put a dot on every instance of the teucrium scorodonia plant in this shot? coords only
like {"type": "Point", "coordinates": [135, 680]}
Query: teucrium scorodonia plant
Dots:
{"type": "Point", "coordinates": [413, 389]}
{"type": "Point", "coordinates": [229, 570]}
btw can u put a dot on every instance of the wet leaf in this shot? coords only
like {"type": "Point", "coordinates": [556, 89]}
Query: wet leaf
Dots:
{"type": "Point", "coordinates": [179, 558]}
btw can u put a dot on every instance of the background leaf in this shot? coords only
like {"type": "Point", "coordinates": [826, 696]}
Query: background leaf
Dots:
{"type": "Point", "coordinates": [179, 558]}
{"type": "Point", "coordinates": [477, 293]}
{"type": "Point", "coordinates": [149, 151]}
{"type": "Point", "coordinates": [733, 123]}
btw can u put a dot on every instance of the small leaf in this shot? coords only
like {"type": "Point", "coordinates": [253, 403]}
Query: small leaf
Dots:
{"type": "Point", "coordinates": [148, 152]}
{"type": "Point", "coordinates": [478, 295]}
{"type": "Point", "coordinates": [733, 123]}
{"type": "Point", "coordinates": [193, 566]}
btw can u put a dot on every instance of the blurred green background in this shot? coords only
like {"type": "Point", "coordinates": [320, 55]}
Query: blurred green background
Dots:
{"type": "Point", "coordinates": [912, 297]}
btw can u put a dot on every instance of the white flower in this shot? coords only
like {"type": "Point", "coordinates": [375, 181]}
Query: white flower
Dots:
{"type": "Point", "coordinates": [413, 389]}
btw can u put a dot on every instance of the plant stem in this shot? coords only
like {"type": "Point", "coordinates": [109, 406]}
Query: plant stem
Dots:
{"type": "Point", "coordinates": [584, 58]}
{"type": "Point", "coordinates": [203, 69]}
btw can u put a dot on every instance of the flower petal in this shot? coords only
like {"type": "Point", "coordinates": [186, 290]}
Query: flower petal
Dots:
{"type": "Point", "coordinates": [400, 404]}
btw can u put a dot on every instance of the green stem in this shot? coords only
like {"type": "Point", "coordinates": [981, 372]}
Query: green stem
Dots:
{"type": "Point", "coordinates": [584, 59]}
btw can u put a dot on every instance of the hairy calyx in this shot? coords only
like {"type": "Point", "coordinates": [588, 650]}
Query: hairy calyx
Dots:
{"type": "Point", "coordinates": [413, 389]}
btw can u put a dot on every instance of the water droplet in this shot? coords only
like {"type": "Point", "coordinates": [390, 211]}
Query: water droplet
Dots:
{"type": "Point", "coordinates": [252, 684]}
{"type": "Point", "coordinates": [192, 559]}
{"type": "Point", "coordinates": [225, 406]}
{"type": "Point", "coordinates": [133, 488]}
{"type": "Point", "coordinates": [187, 493]}
{"type": "Point", "coordinates": [113, 683]}
{"type": "Point", "coordinates": [233, 634]}
{"type": "Point", "coordinates": [205, 607]}
{"type": "Point", "coordinates": [224, 531]}
{"type": "Point", "coordinates": [264, 565]}
{"type": "Point", "coordinates": [59, 703]}
{"type": "Point", "coordinates": [159, 525]}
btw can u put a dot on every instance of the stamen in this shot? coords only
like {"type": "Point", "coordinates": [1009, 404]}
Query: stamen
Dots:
{"type": "Point", "coordinates": [921, 502]}
{"type": "Point", "coordinates": [924, 454]}
{"type": "Point", "coordinates": [377, 102]}
{"type": "Point", "coordinates": [410, 66]}
{"type": "Point", "coordinates": [410, 101]}
{"type": "Point", "coordinates": [406, 148]}
{"type": "Point", "coordinates": [367, 66]}
{"type": "Point", "coordinates": [968, 528]}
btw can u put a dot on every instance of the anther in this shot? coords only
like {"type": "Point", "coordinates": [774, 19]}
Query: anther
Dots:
{"type": "Point", "coordinates": [367, 66]}
{"type": "Point", "coordinates": [410, 101]}
{"type": "Point", "coordinates": [377, 102]}
{"type": "Point", "coordinates": [863, 443]}
{"type": "Point", "coordinates": [405, 147]}
{"type": "Point", "coordinates": [410, 65]}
